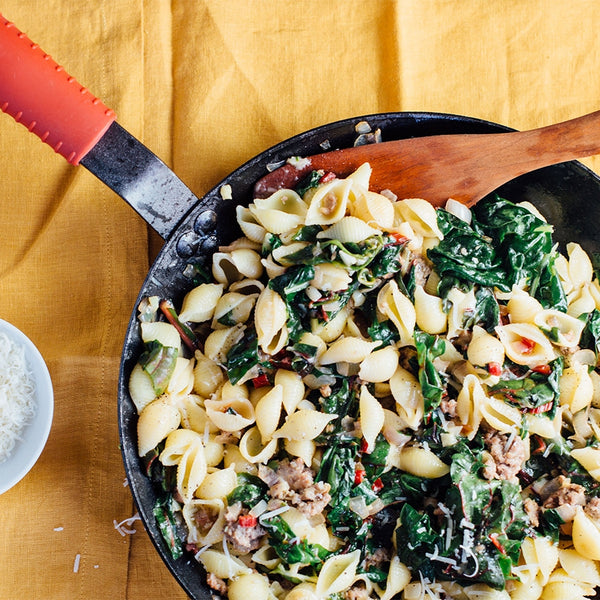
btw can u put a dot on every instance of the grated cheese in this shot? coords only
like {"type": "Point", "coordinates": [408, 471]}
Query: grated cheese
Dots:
{"type": "Point", "coordinates": [17, 395]}
{"type": "Point", "coordinates": [76, 563]}
{"type": "Point", "coordinates": [125, 526]}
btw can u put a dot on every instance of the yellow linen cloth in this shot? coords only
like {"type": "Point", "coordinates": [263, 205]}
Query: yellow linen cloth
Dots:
{"type": "Point", "coordinates": [207, 84]}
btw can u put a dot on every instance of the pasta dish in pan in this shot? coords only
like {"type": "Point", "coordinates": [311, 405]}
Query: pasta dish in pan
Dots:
{"type": "Point", "coordinates": [367, 397]}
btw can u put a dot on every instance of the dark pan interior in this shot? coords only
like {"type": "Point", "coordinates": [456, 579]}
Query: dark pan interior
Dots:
{"type": "Point", "coordinates": [568, 195]}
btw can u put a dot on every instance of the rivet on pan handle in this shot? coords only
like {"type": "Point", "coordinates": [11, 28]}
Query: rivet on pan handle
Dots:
{"type": "Point", "coordinates": [38, 93]}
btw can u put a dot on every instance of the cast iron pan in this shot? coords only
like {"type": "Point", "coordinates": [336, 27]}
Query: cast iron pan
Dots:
{"type": "Point", "coordinates": [567, 194]}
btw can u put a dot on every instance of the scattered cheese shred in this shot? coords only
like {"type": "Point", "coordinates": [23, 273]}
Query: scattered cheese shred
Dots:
{"type": "Point", "coordinates": [125, 526]}
{"type": "Point", "coordinates": [76, 563]}
{"type": "Point", "coordinates": [17, 395]}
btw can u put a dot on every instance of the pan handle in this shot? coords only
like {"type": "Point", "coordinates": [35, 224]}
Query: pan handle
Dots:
{"type": "Point", "coordinates": [41, 95]}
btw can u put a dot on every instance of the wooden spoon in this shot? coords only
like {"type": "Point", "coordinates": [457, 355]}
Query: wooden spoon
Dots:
{"type": "Point", "coordinates": [465, 167]}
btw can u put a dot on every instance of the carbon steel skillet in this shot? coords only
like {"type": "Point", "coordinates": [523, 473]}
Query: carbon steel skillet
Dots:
{"type": "Point", "coordinates": [567, 194]}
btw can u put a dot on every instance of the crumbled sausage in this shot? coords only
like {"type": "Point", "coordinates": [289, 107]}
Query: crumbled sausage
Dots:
{"type": "Point", "coordinates": [357, 592]}
{"type": "Point", "coordinates": [377, 558]}
{"type": "Point", "coordinates": [448, 406]}
{"type": "Point", "coordinates": [532, 510]}
{"type": "Point", "coordinates": [243, 538]}
{"type": "Point", "coordinates": [216, 583]}
{"type": "Point", "coordinates": [421, 270]}
{"type": "Point", "coordinates": [505, 455]}
{"type": "Point", "coordinates": [561, 491]}
{"type": "Point", "coordinates": [592, 508]}
{"type": "Point", "coordinates": [293, 482]}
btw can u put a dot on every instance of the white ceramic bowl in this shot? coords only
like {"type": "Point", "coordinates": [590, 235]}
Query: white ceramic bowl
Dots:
{"type": "Point", "coordinates": [33, 439]}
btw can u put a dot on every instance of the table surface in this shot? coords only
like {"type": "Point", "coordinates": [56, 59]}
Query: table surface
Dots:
{"type": "Point", "coordinates": [207, 85]}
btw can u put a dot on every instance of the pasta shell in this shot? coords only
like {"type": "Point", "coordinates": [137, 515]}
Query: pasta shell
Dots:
{"type": "Point", "coordinates": [380, 365]}
{"type": "Point", "coordinates": [348, 349]}
{"type": "Point", "coordinates": [371, 417]}
{"type": "Point", "coordinates": [421, 216]}
{"type": "Point", "coordinates": [228, 267]}
{"type": "Point", "coordinates": [193, 415]}
{"type": "Point", "coordinates": [501, 416]}
{"type": "Point", "coordinates": [234, 458]}
{"type": "Point", "coordinates": [422, 462]}
{"type": "Point", "coordinates": [208, 529]}
{"type": "Point", "coordinates": [542, 555]}
{"type": "Point", "coordinates": [156, 421]}
{"type": "Point", "coordinates": [580, 301]}
{"type": "Point", "coordinates": [337, 574]}
{"type": "Point", "coordinates": [586, 536]}
{"type": "Point", "coordinates": [253, 449]}
{"type": "Point", "coordinates": [140, 388]}
{"type": "Point", "coordinates": [199, 304]}
{"type": "Point", "coordinates": [250, 585]}
{"type": "Point", "coordinates": [579, 568]}
{"type": "Point", "coordinates": [468, 405]}
{"type": "Point", "coordinates": [220, 341]}
{"type": "Point", "coordinates": [162, 332]}
{"type": "Point", "coordinates": [208, 375]}
{"type": "Point", "coordinates": [565, 329]}
{"type": "Point", "coordinates": [429, 312]}
{"type": "Point", "coordinates": [268, 412]}
{"type": "Point", "coordinates": [281, 212]}
{"type": "Point", "coordinates": [303, 591]}
{"type": "Point", "coordinates": [270, 318]}
{"type": "Point", "coordinates": [328, 202]}
{"type": "Point", "coordinates": [332, 329]}
{"type": "Point", "coordinates": [576, 387]}
{"type": "Point", "coordinates": [397, 579]}
{"type": "Point", "coordinates": [589, 458]}
{"type": "Point", "coordinates": [248, 287]}
{"type": "Point", "coordinates": [293, 389]}
{"type": "Point", "coordinates": [525, 344]}
{"type": "Point", "coordinates": [233, 308]}
{"type": "Point", "coordinates": [374, 209]}
{"type": "Point", "coordinates": [329, 277]}
{"type": "Point", "coordinates": [348, 230]}
{"type": "Point", "coordinates": [249, 224]}
{"type": "Point", "coordinates": [182, 379]}
{"type": "Point", "coordinates": [218, 484]}
{"type": "Point", "coordinates": [224, 566]}
{"type": "Point", "coordinates": [304, 449]}
{"type": "Point", "coordinates": [580, 265]}
{"type": "Point", "coordinates": [230, 414]}
{"type": "Point", "coordinates": [304, 424]}
{"type": "Point", "coordinates": [361, 177]}
{"type": "Point", "coordinates": [407, 393]}
{"type": "Point", "coordinates": [484, 348]}
{"type": "Point", "coordinates": [392, 303]}
{"type": "Point", "coordinates": [522, 308]}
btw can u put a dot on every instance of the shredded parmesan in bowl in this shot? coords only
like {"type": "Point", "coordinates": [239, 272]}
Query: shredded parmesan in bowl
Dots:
{"type": "Point", "coordinates": [17, 395]}
{"type": "Point", "coordinates": [26, 405]}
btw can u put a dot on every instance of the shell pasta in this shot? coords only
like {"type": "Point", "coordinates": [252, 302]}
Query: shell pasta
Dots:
{"type": "Point", "coordinates": [369, 398]}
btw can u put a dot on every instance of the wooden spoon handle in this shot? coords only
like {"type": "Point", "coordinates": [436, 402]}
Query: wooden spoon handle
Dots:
{"type": "Point", "coordinates": [465, 167]}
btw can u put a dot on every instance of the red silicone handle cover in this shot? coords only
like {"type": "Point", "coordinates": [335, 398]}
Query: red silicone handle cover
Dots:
{"type": "Point", "coordinates": [38, 93]}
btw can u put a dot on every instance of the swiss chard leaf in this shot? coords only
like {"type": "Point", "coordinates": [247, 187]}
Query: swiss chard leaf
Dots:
{"type": "Point", "coordinates": [242, 357]}
{"type": "Point", "coordinates": [158, 362]}
{"type": "Point", "coordinates": [429, 347]}
{"type": "Point", "coordinates": [164, 512]}
{"type": "Point", "coordinates": [537, 393]}
{"type": "Point", "coordinates": [289, 547]}
{"type": "Point", "coordinates": [249, 490]}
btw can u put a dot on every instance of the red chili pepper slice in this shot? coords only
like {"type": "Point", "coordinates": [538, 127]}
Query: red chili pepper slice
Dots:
{"type": "Point", "coordinates": [364, 445]}
{"type": "Point", "coordinates": [260, 380]}
{"type": "Point", "coordinates": [494, 368]}
{"type": "Point", "coordinates": [542, 409]}
{"type": "Point", "coordinates": [543, 369]}
{"type": "Point", "coordinates": [494, 539]}
{"type": "Point", "coordinates": [377, 485]}
{"type": "Point", "coordinates": [329, 176]}
{"type": "Point", "coordinates": [359, 475]}
{"type": "Point", "coordinates": [526, 345]}
{"type": "Point", "coordinates": [247, 520]}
